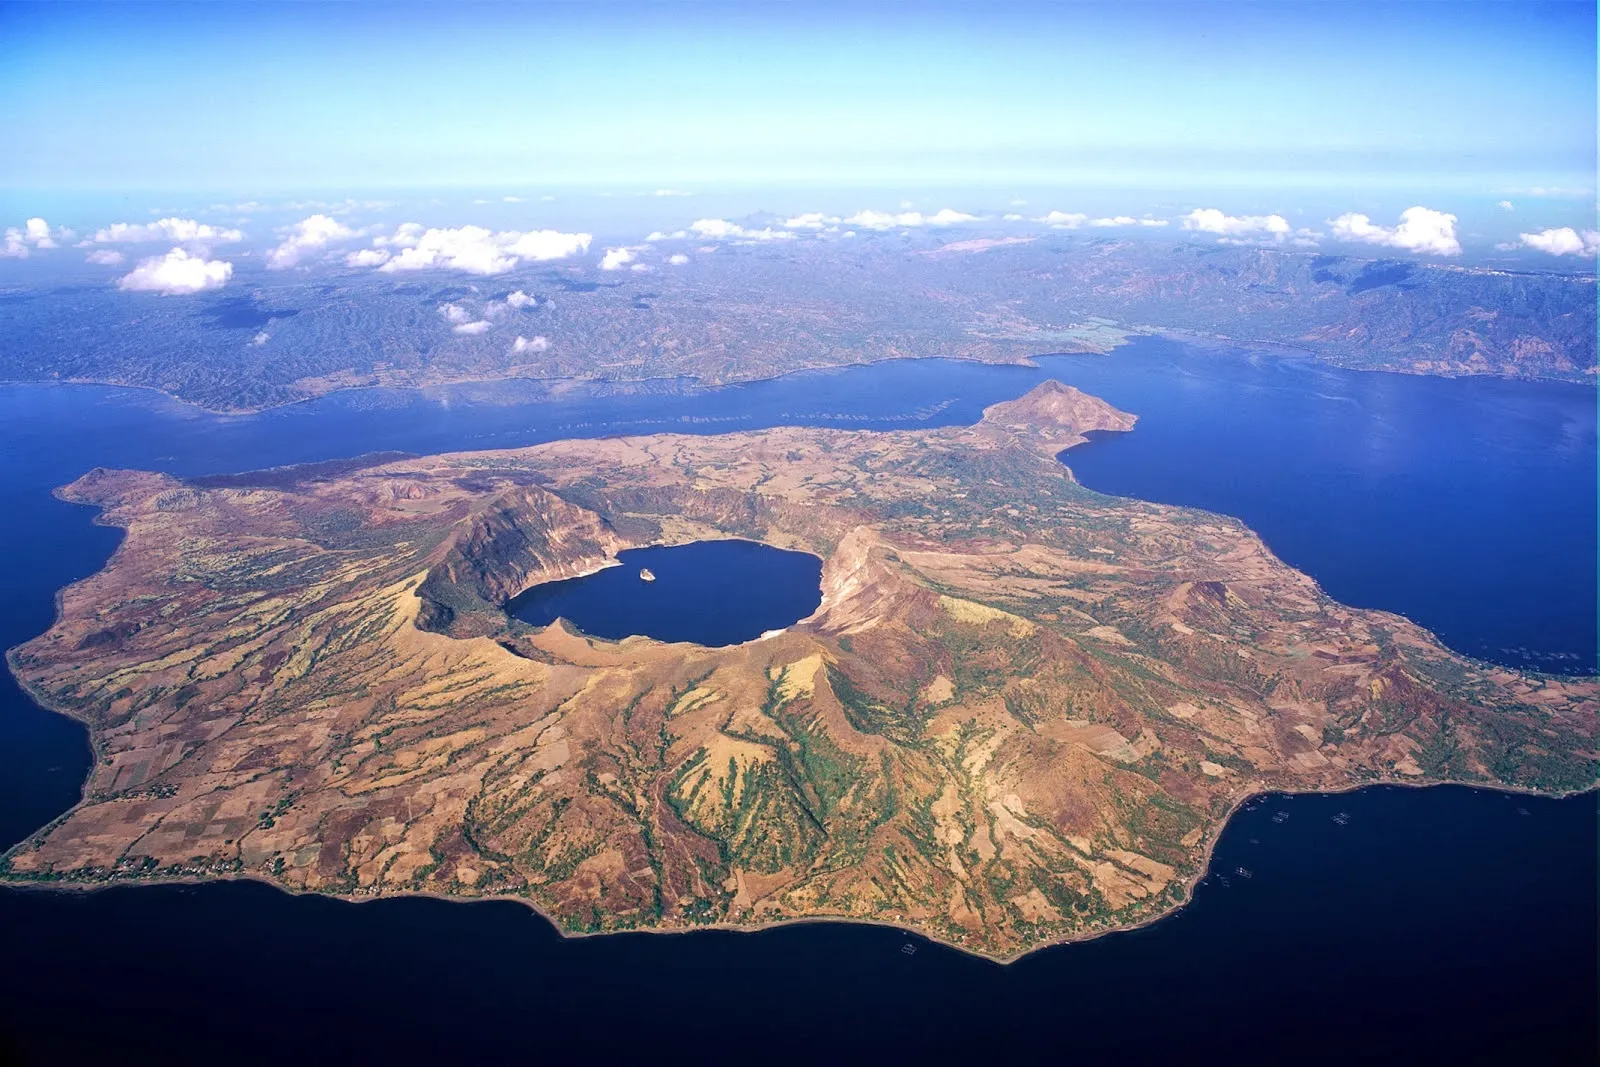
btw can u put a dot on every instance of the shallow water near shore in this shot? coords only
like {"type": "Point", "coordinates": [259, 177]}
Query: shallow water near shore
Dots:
{"type": "Point", "coordinates": [1430, 923]}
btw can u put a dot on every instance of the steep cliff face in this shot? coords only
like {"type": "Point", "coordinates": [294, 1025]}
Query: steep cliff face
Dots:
{"type": "Point", "coordinates": [864, 585]}
{"type": "Point", "coordinates": [520, 537]}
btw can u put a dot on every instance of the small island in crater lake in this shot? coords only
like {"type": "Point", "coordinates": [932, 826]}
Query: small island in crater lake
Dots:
{"type": "Point", "coordinates": [1020, 715]}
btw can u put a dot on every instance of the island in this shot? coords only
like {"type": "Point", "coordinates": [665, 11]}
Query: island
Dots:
{"type": "Point", "coordinates": [1020, 715]}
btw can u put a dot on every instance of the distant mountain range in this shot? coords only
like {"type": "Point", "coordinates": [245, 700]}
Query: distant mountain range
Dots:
{"type": "Point", "coordinates": [741, 312]}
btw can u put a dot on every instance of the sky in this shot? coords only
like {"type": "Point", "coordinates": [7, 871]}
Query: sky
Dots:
{"type": "Point", "coordinates": [1458, 131]}
{"type": "Point", "coordinates": [1424, 97]}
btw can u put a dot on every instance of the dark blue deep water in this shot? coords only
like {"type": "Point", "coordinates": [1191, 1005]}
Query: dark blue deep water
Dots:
{"type": "Point", "coordinates": [1467, 505]}
{"type": "Point", "coordinates": [1431, 924]}
{"type": "Point", "coordinates": [709, 592]}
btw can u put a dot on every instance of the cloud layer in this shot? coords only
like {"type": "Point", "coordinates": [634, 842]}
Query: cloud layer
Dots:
{"type": "Point", "coordinates": [1126, 220]}
{"type": "Point", "coordinates": [1212, 220]}
{"type": "Point", "coordinates": [1063, 220]}
{"type": "Point", "coordinates": [19, 243]}
{"type": "Point", "coordinates": [176, 273]}
{"type": "Point", "coordinates": [1562, 241]}
{"type": "Point", "coordinates": [471, 249]}
{"type": "Point", "coordinates": [723, 230]}
{"type": "Point", "coordinates": [887, 220]}
{"type": "Point", "coordinates": [461, 320]}
{"type": "Point", "coordinates": [174, 229]}
{"type": "Point", "coordinates": [308, 236]}
{"type": "Point", "coordinates": [1421, 229]}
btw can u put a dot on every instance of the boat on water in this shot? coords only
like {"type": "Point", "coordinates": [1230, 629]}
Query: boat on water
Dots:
{"type": "Point", "coordinates": [645, 575]}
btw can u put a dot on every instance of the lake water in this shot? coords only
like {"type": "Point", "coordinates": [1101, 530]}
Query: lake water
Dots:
{"type": "Point", "coordinates": [710, 592]}
{"type": "Point", "coordinates": [1426, 926]}
{"type": "Point", "coordinates": [1436, 922]}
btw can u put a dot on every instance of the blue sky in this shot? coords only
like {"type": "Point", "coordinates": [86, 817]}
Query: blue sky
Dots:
{"type": "Point", "coordinates": [1403, 100]}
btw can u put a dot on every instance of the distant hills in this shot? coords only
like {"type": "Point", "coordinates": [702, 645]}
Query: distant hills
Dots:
{"type": "Point", "coordinates": [741, 312]}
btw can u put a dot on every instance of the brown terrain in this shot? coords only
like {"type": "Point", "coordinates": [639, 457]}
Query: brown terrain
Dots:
{"type": "Point", "coordinates": [1021, 713]}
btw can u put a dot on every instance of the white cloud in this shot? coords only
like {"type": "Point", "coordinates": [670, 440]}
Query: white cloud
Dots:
{"type": "Point", "coordinates": [887, 220]}
{"type": "Point", "coordinates": [406, 235]}
{"type": "Point", "coordinates": [520, 299]}
{"type": "Point", "coordinates": [1063, 220]}
{"type": "Point", "coordinates": [657, 235]}
{"type": "Point", "coordinates": [884, 220]}
{"type": "Point", "coordinates": [367, 257]}
{"type": "Point", "coordinates": [104, 257]}
{"type": "Point", "coordinates": [176, 273]}
{"type": "Point", "coordinates": [1126, 220]}
{"type": "Point", "coordinates": [512, 199]}
{"type": "Point", "coordinates": [722, 229]}
{"type": "Point", "coordinates": [1421, 229]}
{"type": "Point", "coordinates": [34, 232]}
{"type": "Point", "coordinates": [678, 260]}
{"type": "Point", "coordinates": [810, 220]}
{"type": "Point", "coordinates": [670, 192]}
{"type": "Point", "coordinates": [531, 344]}
{"type": "Point", "coordinates": [261, 338]}
{"type": "Point", "coordinates": [1012, 217]}
{"type": "Point", "coordinates": [475, 250]}
{"type": "Point", "coordinates": [171, 229]}
{"type": "Point", "coordinates": [543, 245]}
{"type": "Point", "coordinates": [37, 233]}
{"type": "Point", "coordinates": [1211, 220]}
{"type": "Point", "coordinates": [310, 234]}
{"type": "Point", "coordinates": [461, 320]}
{"type": "Point", "coordinates": [616, 258]}
{"type": "Point", "coordinates": [1564, 241]}
{"type": "Point", "coordinates": [1506, 205]}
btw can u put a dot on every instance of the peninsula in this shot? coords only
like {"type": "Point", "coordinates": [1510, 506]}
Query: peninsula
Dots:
{"type": "Point", "coordinates": [1020, 715]}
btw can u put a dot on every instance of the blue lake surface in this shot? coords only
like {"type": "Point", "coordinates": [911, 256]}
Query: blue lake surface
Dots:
{"type": "Point", "coordinates": [1427, 926]}
{"type": "Point", "coordinates": [710, 592]}
{"type": "Point", "coordinates": [1440, 922]}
